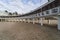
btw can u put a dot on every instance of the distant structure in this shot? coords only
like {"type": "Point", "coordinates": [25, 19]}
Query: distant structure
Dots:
{"type": "Point", "coordinates": [7, 13]}
{"type": "Point", "coordinates": [15, 13]}
{"type": "Point", "coordinates": [3, 13]}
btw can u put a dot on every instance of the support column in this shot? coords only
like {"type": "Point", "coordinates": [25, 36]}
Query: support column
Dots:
{"type": "Point", "coordinates": [25, 20]}
{"type": "Point", "coordinates": [21, 20]}
{"type": "Point", "coordinates": [33, 21]}
{"type": "Point", "coordinates": [28, 20]}
{"type": "Point", "coordinates": [37, 20]}
{"type": "Point", "coordinates": [41, 21]}
{"type": "Point", "coordinates": [49, 21]}
{"type": "Point", "coordinates": [58, 22]}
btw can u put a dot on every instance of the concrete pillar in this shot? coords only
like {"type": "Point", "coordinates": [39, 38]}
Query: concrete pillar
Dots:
{"type": "Point", "coordinates": [33, 21]}
{"type": "Point", "coordinates": [49, 21]}
{"type": "Point", "coordinates": [38, 20]}
{"type": "Point", "coordinates": [28, 20]}
{"type": "Point", "coordinates": [20, 20]}
{"type": "Point", "coordinates": [25, 20]}
{"type": "Point", "coordinates": [58, 22]}
{"type": "Point", "coordinates": [41, 21]}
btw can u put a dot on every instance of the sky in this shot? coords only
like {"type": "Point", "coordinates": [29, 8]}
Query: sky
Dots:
{"type": "Point", "coordinates": [21, 6]}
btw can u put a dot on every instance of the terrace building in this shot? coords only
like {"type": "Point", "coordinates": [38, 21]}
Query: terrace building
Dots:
{"type": "Point", "coordinates": [45, 14]}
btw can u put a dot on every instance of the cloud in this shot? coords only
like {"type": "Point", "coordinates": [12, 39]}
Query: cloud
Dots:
{"type": "Point", "coordinates": [20, 6]}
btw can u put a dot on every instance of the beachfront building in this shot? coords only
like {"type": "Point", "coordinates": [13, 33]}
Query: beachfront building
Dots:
{"type": "Point", "coordinates": [49, 13]}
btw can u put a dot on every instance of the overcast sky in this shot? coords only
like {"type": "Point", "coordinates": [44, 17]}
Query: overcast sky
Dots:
{"type": "Point", "coordinates": [21, 6]}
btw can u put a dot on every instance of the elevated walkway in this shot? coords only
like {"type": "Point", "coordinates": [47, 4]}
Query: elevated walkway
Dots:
{"type": "Point", "coordinates": [48, 13]}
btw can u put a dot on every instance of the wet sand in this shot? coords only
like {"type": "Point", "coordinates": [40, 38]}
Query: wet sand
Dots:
{"type": "Point", "coordinates": [27, 31]}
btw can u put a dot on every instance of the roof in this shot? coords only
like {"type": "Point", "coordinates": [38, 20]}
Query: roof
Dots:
{"type": "Point", "coordinates": [44, 7]}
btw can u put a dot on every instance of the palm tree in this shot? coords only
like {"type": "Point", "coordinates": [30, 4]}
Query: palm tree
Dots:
{"type": "Point", "coordinates": [16, 13]}
{"type": "Point", "coordinates": [10, 13]}
{"type": "Point", "coordinates": [6, 12]}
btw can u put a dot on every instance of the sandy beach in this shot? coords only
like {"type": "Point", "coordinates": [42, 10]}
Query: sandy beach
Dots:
{"type": "Point", "coordinates": [27, 31]}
